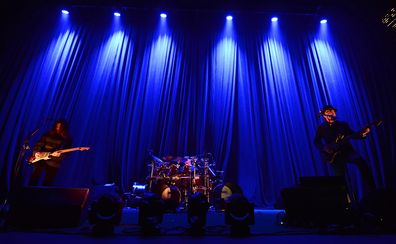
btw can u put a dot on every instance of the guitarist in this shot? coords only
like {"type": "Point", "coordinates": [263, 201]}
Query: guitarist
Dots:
{"type": "Point", "coordinates": [55, 139]}
{"type": "Point", "coordinates": [331, 141]}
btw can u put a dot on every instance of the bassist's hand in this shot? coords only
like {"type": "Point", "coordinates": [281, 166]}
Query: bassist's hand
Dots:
{"type": "Point", "coordinates": [329, 149]}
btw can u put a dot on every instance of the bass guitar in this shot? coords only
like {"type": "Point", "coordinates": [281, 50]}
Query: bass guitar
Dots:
{"type": "Point", "coordinates": [47, 155]}
{"type": "Point", "coordinates": [331, 150]}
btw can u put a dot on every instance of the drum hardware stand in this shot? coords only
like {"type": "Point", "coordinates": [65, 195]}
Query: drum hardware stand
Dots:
{"type": "Point", "coordinates": [189, 190]}
{"type": "Point", "coordinates": [206, 181]}
{"type": "Point", "coordinates": [151, 175]}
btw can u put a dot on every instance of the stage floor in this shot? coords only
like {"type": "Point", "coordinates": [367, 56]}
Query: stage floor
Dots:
{"type": "Point", "coordinates": [266, 222]}
{"type": "Point", "coordinates": [268, 228]}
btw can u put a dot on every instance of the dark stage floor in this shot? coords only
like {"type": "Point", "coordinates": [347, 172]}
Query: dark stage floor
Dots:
{"type": "Point", "coordinates": [268, 227]}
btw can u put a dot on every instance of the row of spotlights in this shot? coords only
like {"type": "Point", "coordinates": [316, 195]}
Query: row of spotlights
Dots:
{"type": "Point", "coordinates": [163, 15]}
{"type": "Point", "coordinates": [117, 14]}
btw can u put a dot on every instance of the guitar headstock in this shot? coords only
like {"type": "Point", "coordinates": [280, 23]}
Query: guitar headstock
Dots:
{"type": "Point", "coordinates": [378, 122]}
{"type": "Point", "coordinates": [375, 123]}
{"type": "Point", "coordinates": [83, 148]}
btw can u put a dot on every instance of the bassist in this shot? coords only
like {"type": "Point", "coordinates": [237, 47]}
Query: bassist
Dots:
{"type": "Point", "coordinates": [332, 140]}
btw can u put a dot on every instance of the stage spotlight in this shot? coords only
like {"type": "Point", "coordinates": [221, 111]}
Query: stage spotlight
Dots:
{"type": "Point", "coordinates": [163, 15]}
{"type": "Point", "coordinates": [151, 211]}
{"type": "Point", "coordinates": [117, 14]}
{"type": "Point", "coordinates": [323, 21]}
{"type": "Point", "coordinates": [239, 214]}
{"type": "Point", "coordinates": [221, 193]}
{"type": "Point", "coordinates": [229, 17]}
{"type": "Point", "coordinates": [274, 19]}
{"type": "Point", "coordinates": [197, 209]}
{"type": "Point", "coordinates": [105, 213]}
{"type": "Point", "coordinates": [64, 11]}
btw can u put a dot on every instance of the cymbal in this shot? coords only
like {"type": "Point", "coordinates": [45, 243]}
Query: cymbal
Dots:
{"type": "Point", "coordinates": [157, 159]}
{"type": "Point", "coordinates": [157, 177]}
{"type": "Point", "coordinates": [184, 177]}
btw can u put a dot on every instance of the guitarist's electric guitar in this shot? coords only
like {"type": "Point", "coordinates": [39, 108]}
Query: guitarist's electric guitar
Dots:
{"type": "Point", "coordinates": [47, 155]}
{"type": "Point", "coordinates": [331, 150]}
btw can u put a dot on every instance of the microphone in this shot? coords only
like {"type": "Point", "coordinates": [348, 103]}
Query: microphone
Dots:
{"type": "Point", "coordinates": [326, 115]}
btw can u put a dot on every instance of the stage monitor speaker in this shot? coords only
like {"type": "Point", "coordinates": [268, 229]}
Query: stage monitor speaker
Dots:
{"type": "Point", "coordinates": [48, 207]}
{"type": "Point", "coordinates": [378, 212]}
{"type": "Point", "coordinates": [319, 201]}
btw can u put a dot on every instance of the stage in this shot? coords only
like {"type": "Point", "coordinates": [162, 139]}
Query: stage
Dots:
{"type": "Point", "coordinates": [266, 222]}
{"type": "Point", "coordinates": [268, 227]}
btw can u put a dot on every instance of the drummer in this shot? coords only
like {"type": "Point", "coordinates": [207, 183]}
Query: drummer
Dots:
{"type": "Point", "coordinates": [185, 166]}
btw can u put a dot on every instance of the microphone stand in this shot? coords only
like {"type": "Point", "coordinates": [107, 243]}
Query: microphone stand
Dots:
{"type": "Point", "coordinates": [16, 177]}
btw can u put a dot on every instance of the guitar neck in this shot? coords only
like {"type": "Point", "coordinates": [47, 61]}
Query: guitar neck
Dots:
{"type": "Point", "coordinates": [69, 150]}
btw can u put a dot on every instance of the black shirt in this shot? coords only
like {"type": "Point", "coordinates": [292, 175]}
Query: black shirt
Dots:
{"type": "Point", "coordinates": [327, 134]}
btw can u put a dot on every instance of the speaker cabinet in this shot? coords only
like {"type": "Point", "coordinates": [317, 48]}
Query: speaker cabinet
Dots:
{"type": "Point", "coordinates": [318, 201]}
{"type": "Point", "coordinates": [48, 207]}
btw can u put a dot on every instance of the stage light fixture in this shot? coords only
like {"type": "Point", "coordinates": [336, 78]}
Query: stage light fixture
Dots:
{"type": "Point", "coordinates": [323, 21]}
{"type": "Point", "coordinates": [163, 15]}
{"type": "Point", "coordinates": [274, 19]}
{"type": "Point", "coordinates": [105, 213]}
{"type": "Point", "coordinates": [239, 214]}
{"type": "Point", "coordinates": [65, 11]}
{"type": "Point", "coordinates": [151, 211]}
{"type": "Point", "coordinates": [229, 17]}
{"type": "Point", "coordinates": [222, 192]}
{"type": "Point", "coordinates": [117, 14]}
{"type": "Point", "coordinates": [197, 210]}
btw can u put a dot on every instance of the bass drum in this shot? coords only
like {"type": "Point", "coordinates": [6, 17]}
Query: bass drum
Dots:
{"type": "Point", "coordinates": [220, 194]}
{"type": "Point", "coordinates": [171, 195]}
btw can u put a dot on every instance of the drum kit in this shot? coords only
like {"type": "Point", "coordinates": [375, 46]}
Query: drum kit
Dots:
{"type": "Point", "coordinates": [176, 178]}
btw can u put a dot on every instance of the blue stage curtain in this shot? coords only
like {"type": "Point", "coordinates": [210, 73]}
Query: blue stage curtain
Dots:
{"type": "Point", "coordinates": [247, 93]}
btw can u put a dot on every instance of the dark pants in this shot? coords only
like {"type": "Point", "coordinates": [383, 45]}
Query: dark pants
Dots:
{"type": "Point", "coordinates": [339, 168]}
{"type": "Point", "coordinates": [39, 169]}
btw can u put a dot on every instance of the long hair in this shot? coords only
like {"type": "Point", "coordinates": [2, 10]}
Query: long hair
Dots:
{"type": "Point", "coordinates": [65, 128]}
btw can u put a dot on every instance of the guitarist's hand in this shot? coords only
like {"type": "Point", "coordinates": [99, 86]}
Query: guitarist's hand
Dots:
{"type": "Point", "coordinates": [56, 154]}
{"type": "Point", "coordinates": [39, 154]}
{"type": "Point", "coordinates": [365, 132]}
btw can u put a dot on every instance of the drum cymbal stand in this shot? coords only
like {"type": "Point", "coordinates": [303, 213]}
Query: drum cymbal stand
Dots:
{"type": "Point", "coordinates": [151, 175]}
{"type": "Point", "coordinates": [206, 181]}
